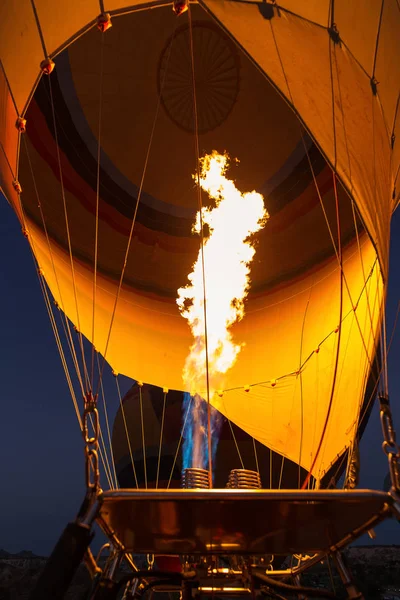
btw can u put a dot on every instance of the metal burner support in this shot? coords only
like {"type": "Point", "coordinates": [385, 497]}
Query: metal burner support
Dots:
{"type": "Point", "coordinates": [195, 479]}
{"type": "Point", "coordinates": [244, 479]}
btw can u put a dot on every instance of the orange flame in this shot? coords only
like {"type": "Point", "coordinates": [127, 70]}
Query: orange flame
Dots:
{"type": "Point", "coordinates": [228, 252]}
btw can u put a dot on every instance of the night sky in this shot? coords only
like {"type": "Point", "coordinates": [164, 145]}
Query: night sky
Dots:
{"type": "Point", "coordinates": [41, 468]}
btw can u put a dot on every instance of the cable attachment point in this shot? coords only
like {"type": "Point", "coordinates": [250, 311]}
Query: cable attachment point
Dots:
{"type": "Point", "coordinates": [390, 445]}
{"type": "Point", "coordinates": [334, 33]}
{"type": "Point", "coordinates": [20, 124]}
{"type": "Point", "coordinates": [90, 422]}
{"type": "Point", "coordinates": [180, 6]}
{"type": "Point", "coordinates": [150, 561]}
{"type": "Point", "coordinates": [374, 85]}
{"type": "Point", "coordinates": [47, 66]}
{"type": "Point", "coordinates": [353, 469]}
{"type": "Point", "coordinates": [17, 186]}
{"type": "Point", "coordinates": [104, 22]}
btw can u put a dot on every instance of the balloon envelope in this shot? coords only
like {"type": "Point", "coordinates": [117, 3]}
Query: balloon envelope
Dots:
{"type": "Point", "coordinates": [309, 334]}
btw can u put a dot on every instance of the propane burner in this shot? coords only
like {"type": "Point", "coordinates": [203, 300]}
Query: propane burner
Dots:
{"type": "Point", "coordinates": [194, 478]}
{"type": "Point", "coordinates": [244, 479]}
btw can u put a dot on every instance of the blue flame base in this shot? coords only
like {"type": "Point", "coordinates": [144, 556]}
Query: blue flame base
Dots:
{"type": "Point", "coordinates": [194, 432]}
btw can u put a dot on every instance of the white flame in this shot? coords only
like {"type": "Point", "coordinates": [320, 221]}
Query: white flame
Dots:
{"type": "Point", "coordinates": [227, 252]}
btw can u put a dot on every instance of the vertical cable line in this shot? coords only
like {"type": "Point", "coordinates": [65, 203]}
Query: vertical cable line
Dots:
{"type": "Point", "coordinates": [143, 436]}
{"type": "Point", "coordinates": [340, 261]}
{"type": "Point", "coordinates": [102, 447]}
{"type": "Point", "coordinates": [383, 366]}
{"type": "Point", "coordinates": [96, 233]}
{"type": "Point", "coordinates": [64, 201]}
{"type": "Point", "coordinates": [301, 389]}
{"type": "Point", "coordinates": [319, 193]}
{"type": "Point", "coordinates": [126, 430]}
{"type": "Point", "coordinates": [200, 204]}
{"type": "Point", "coordinates": [339, 334]}
{"type": "Point", "coordinates": [107, 426]}
{"type": "Point", "coordinates": [56, 333]}
{"type": "Point", "coordinates": [256, 456]}
{"type": "Point", "coordinates": [135, 211]}
{"type": "Point", "coordinates": [281, 472]}
{"type": "Point", "coordinates": [384, 353]}
{"type": "Point", "coordinates": [337, 249]}
{"type": "Point", "coordinates": [66, 325]}
{"type": "Point", "coordinates": [40, 32]}
{"type": "Point", "coordinates": [161, 437]}
{"type": "Point", "coordinates": [236, 444]}
{"type": "Point", "coordinates": [270, 468]}
{"type": "Point", "coordinates": [377, 38]}
{"type": "Point", "coordinates": [180, 441]}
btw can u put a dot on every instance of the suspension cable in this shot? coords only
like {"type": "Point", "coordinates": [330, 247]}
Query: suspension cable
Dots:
{"type": "Point", "coordinates": [107, 426]}
{"type": "Point", "coordinates": [96, 233]}
{"type": "Point", "coordinates": [64, 202]}
{"type": "Point", "coordinates": [256, 456]}
{"type": "Point", "coordinates": [143, 436]}
{"type": "Point", "coordinates": [161, 437]}
{"type": "Point", "coordinates": [339, 334]}
{"type": "Point", "coordinates": [180, 440]}
{"type": "Point", "coordinates": [135, 211]}
{"type": "Point", "coordinates": [236, 444]}
{"type": "Point", "coordinates": [65, 321]}
{"type": "Point", "coordinates": [126, 430]}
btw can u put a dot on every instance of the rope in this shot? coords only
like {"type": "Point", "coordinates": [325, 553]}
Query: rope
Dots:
{"type": "Point", "coordinates": [281, 473]}
{"type": "Point", "coordinates": [256, 456]}
{"type": "Point", "coordinates": [64, 201]}
{"type": "Point", "coordinates": [307, 479]}
{"type": "Point", "coordinates": [338, 252]}
{"type": "Point", "coordinates": [136, 209]}
{"type": "Point", "coordinates": [51, 317]}
{"type": "Point", "coordinates": [316, 183]}
{"type": "Point", "coordinates": [352, 202]}
{"type": "Point", "coordinates": [301, 388]}
{"type": "Point", "coordinates": [108, 426]}
{"type": "Point", "coordinates": [270, 469]}
{"type": "Point", "coordinates": [180, 441]}
{"type": "Point", "coordinates": [384, 353]}
{"type": "Point", "coordinates": [364, 278]}
{"type": "Point", "coordinates": [143, 436]}
{"type": "Point", "coordinates": [377, 38]}
{"type": "Point", "coordinates": [236, 444]}
{"type": "Point", "coordinates": [96, 233]}
{"type": "Point", "coordinates": [53, 323]}
{"type": "Point", "coordinates": [199, 199]}
{"type": "Point", "coordinates": [296, 372]}
{"type": "Point", "coordinates": [103, 455]}
{"type": "Point", "coordinates": [161, 437]}
{"type": "Point", "coordinates": [67, 329]}
{"type": "Point", "coordinates": [387, 354]}
{"type": "Point", "coordinates": [126, 431]}
{"type": "Point", "coordinates": [60, 349]}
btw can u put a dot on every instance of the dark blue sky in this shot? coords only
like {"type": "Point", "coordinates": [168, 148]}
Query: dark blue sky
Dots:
{"type": "Point", "coordinates": [41, 467]}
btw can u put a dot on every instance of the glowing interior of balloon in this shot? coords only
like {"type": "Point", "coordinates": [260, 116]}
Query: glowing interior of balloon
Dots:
{"type": "Point", "coordinates": [221, 274]}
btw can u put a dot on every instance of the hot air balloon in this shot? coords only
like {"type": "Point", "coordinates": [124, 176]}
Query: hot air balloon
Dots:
{"type": "Point", "coordinates": [207, 190]}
